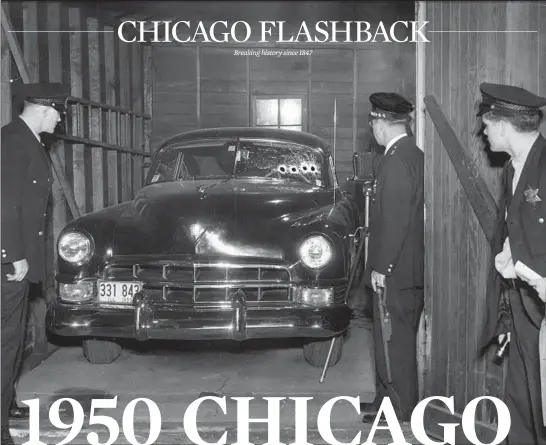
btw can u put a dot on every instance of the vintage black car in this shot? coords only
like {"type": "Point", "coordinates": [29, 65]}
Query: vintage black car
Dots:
{"type": "Point", "coordinates": [238, 233]}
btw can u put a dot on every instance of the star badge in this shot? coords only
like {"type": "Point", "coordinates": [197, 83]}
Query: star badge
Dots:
{"type": "Point", "coordinates": [531, 195]}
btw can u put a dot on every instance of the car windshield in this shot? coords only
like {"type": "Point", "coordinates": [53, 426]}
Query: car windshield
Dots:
{"type": "Point", "coordinates": [243, 158]}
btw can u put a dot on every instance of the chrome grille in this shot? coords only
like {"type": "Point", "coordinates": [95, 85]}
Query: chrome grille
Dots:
{"type": "Point", "coordinates": [194, 282]}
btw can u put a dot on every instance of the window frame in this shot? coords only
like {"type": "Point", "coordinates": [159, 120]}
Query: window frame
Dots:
{"type": "Point", "coordinates": [302, 97]}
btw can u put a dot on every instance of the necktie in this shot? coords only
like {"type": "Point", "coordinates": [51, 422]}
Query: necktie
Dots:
{"type": "Point", "coordinates": [509, 179]}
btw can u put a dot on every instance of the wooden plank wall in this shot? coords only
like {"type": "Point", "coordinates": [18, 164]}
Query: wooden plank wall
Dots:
{"type": "Point", "coordinates": [458, 254]}
{"type": "Point", "coordinates": [203, 86]}
{"type": "Point", "coordinates": [90, 63]}
{"type": "Point", "coordinates": [5, 77]}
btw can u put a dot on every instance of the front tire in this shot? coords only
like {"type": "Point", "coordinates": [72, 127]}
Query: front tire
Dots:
{"type": "Point", "coordinates": [100, 352]}
{"type": "Point", "coordinates": [316, 352]}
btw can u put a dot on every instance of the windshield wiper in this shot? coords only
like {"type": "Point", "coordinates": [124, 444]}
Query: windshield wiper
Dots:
{"type": "Point", "coordinates": [203, 188]}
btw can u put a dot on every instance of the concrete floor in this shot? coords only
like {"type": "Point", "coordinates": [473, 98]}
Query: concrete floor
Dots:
{"type": "Point", "coordinates": [174, 374]}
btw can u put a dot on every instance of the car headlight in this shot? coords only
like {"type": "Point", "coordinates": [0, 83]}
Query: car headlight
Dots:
{"type": "Point", "coordinates": [316, 251]}
{"type": "Point", "coordinates": [75, 248]}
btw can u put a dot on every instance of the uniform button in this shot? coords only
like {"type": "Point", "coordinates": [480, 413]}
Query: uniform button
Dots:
{"type": "Point", "coordinates": [34, 181]}
{"type": "Point", "coordinates": [3, 250]}
{"type": "Point", "coordinates": [4, 255]}
{"type": "Point", "coordinates": [541, 220]}
{"type": "Point", "coordinates": [40, 233]}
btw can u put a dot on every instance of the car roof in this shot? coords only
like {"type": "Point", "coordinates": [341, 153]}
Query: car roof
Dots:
{"type": "Point", "coordinates": [298, 137]}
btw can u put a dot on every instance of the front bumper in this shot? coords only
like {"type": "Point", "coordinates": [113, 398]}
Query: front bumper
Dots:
{"type": "Point", "coordinates": [147, 320]}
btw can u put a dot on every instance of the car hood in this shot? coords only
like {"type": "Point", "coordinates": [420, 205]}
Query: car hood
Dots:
{"type": "Point", "coordinates": [235, 217]}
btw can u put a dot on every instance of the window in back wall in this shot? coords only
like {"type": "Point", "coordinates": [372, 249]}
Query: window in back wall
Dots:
{"type": "Point", "coordinates": [287, 112]}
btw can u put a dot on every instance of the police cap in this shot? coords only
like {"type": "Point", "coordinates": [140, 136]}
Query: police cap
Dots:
{"type": "Point", "coordinates": [46, 93]}
{"type": "Point", "coordinates": [390, 106]}
{"type": "Point", "coordinates": [508, 100]}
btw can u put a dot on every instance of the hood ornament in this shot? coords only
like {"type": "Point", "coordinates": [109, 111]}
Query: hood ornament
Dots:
{"type": "Point", "coordinates": [201, 189]}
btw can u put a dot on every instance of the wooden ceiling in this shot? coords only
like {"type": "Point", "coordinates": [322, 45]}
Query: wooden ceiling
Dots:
{"type": "Point", "coordinates": [114, 12]}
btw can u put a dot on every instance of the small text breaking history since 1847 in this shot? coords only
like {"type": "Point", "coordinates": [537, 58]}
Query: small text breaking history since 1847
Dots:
{"type": "Point", "coordinates": [272, 52]}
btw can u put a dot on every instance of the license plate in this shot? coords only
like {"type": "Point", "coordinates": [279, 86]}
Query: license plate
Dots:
{"type": "Point", "coordinates": [118, 291]}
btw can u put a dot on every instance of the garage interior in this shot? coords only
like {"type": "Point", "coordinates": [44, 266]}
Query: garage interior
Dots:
{"type": "Point", "coordinates": [129, 97]}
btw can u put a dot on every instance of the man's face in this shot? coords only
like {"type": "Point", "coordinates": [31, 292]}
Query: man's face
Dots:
{"type": "Point", "coordinates": [51, 118]}
{"type": "Point", "coordinates": [496, 134]}
{"type": "Point", "coordinates": [377, 128]}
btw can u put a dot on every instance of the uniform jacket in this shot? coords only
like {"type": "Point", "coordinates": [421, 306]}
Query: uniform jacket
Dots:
{"type": "Point", "coordinates": [526, 219]}
{"type": "Point", "coordinates": [26, 187]}
{"type": "Point", "coordinates": [525, 225]}
{"type": "Point", "coordinates": [396, 246]}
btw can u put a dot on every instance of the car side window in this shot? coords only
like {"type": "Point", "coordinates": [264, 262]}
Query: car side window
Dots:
{"type": "Point", "coordinates": [166, 167]}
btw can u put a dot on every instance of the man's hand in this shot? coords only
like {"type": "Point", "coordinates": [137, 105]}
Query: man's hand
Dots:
{"type": "Point", "coordinates": [540, 287]}
{"type": "Point", "coordinates": [501, 338]}
{"type": "Point", "coordinates": [20, 270]}
{"type": "Point", "coordinates": [378, 280]}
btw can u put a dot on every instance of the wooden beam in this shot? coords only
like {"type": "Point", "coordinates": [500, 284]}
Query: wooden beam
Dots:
{"type": "Point", "coordinates": [99, 11]}
{"type": "Point", "coordinates": [110, 98]}
{"type": "Point", "coordinates": [95, 114]}
{"type": "Point", "coordinates": [121, 110]}
{"type": "Point", "coordinates": [124, 160]}
{"type": "Point", "coordinates": [14, 46]}
{"type": "Point", "coordinates": [76, 111]}
{"type": "Point", "coordinates": [248, 93]}
{"type": "Point", "coordinates": [23, 72]}
{"type": "Point", "coordinates": [478, 194]}
{"type": "Point", "coordinates": [112, 147]}
{"type": "Point", "coordinates": [60, 215]}
{"type": "Point", "coordinates": [420, 81]}
{"type": "Point", "coordinates": [310, 93]}
{"type": "Point", "coordinates": [148, 94]}
{"type": "Point", "coordinates": [435, 417]}
{"type": "Point", "coordinates": [6, 76]}
{"type": "Point", "coordinates": [138, 123]}
{"type": "Point", "coordinates": [424, 335]}
{"type": "Point", "coordinates": [198, 78]}
{"type": "Point", "coordinates": [30, 40]}
{"type": "Point", "coordinates": [355, 96]}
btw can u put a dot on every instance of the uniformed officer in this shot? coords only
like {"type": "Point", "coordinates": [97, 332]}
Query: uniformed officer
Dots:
{"type": "Point", "coordinates": [512, 117]}
{"type": "Point", "coordinates": [396, 251]}
{"type": "Point", "coordinates": [26, 186]}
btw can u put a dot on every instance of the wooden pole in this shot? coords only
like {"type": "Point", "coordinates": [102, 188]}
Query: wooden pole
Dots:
{"type": "Point", "coordinates": [480, 197]}
{"type": "Point", "coordinates": [23, 72]}
{"type": "Point", "coordinates": [424, 334]}
{"type": "Point", "coordinates": [542, 357]}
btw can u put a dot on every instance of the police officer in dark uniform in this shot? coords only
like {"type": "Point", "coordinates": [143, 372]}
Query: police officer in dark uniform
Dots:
{"type": "Point", "coordinates": [512, 117]}
{"type": "Point", "coordinates": [396, 251]}
{"type": "Point", "coordinates": [26, 187]}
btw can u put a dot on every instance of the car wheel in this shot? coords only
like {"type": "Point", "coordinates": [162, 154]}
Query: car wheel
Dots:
{"type": "Point", "coordinates": [101, 351]}
{"type": "Point", "coordinates": [316, 352]}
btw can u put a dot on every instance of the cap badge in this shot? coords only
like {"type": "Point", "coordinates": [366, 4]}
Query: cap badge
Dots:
{"type": "Point", "coordinates": [531, 195]}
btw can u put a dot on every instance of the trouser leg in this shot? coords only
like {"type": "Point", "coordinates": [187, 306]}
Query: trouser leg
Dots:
{"type": "Point", "coordinates": [21, 350]}
{"type": "Point", "coordinates": [14, 299]}
{"type": "Point", "coordinates": [522, 392]}
{"type": "Point", "coordinates": [380, 371]}
{"type": "Point", "coordinates": [405, 307]}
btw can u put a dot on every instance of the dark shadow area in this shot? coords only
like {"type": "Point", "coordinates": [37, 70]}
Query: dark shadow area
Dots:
{"type": "Point", "coordinates": [83, 396]}
{"type": "Point", "coordinates": [496, 159]}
